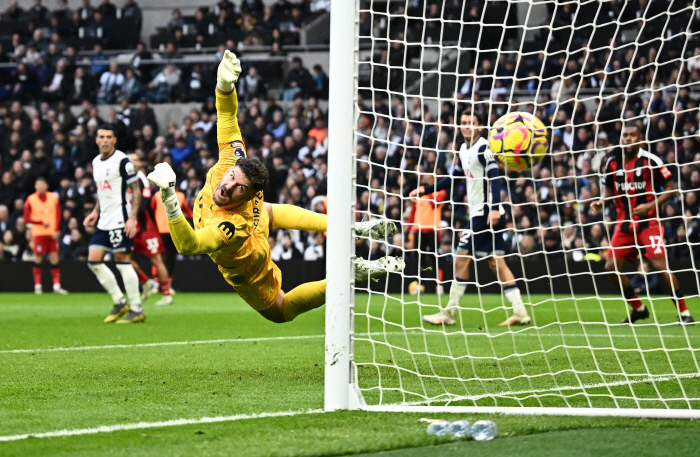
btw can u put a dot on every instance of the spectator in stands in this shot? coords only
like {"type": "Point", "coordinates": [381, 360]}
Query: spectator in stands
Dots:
{"type": "Point", "coordinates": [142, 70]}
{"type": "Point", "coordinates": [97, 57]}
{"type": "Point", "coordinates": [180, 150]}
{"type": "Point", "coordinates": [111, 83]}
{"type": "Point", "coordinates": [83, 87]}
{"type": "Point", "coordinates": [131, 89]}
{"type": "Point", "coordinates": [86, 12]}
{"type": "Point", "coordinates": [13, 12]}
{"type": "Point", "coordinates": [298, 81]}
{"type": "Point", "coordinates": [143, 115]}
{"type": "Point", "coordinates": [107, 9]}
{"type": "Point", "coordinates": [176, 21]}
{"type": "Point", "coordinates": [132, 12]}
{"type": "Point", "coordinates": [59, 85]}
{"type": "Point", "coordinates": [251, 86]}
{"type": "Point", "coordinates": [320, 89]}
{"type": "Point", "coordinates": [100, 29]}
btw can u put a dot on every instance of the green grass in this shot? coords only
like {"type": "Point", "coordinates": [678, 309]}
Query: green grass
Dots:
{"type": "Point", "coordinates": [44, 391]}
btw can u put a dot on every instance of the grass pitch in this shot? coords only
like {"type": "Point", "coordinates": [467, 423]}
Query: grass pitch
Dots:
{"type": "Point", "coordinates": [210, 355]}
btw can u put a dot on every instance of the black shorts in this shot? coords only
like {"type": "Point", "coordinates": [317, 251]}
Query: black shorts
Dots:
{"type": "Point", "coordinates": [112, 240]}
{"type": "Point", "coordinates": [479, 239]}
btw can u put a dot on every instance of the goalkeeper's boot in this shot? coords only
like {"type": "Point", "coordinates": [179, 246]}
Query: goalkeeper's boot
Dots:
{"type": "Point", "coordinates": [149, 288]}
{"type": "Point", "coordinates": [133, 318]}
{"type": "Point", "coordinates": [118, 311]}
{"type": "Point", "coordinates": [685, 320]}
{"type": "Point", "coordinates": [368, 269]}
{"type": "Point", "coordinates": [636, 315]}
{"type": "Point", "coordinates": [165, 301]}
{"type": "Point", "coordinates": [377, 230]}
{"type": "Point", "coordinates": [516, 319]}
{"type": "Point", "coordinates": [445, 317]}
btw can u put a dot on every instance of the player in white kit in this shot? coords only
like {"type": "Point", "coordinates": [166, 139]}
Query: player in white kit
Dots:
{"type": "Point", "coordinates": [483, 237]}
{"type": "Point", "coordinates": [118, 198]}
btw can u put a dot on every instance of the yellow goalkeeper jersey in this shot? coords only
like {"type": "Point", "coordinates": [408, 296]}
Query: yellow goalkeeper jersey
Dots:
{"type": "Point", "coordinates": [243, 253]}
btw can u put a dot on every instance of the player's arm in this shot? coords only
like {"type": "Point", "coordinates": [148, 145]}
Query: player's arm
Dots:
{"type": "Point", "coordinates": [607, 181]}
{"type": "Point", "coordinates": [494, 179]}
{"type": "Point", "coordinates": [662, 176]}
{"type": "Point", "coordinates": [27, 215]}
{"type": "Point", "coordinates": [443, 184]}
{"type": "Point", "coordinates": [187, 241]}
{"type": "Point", "coordinates": [128, 174]}
{"type": "Point", "coordinates": [57, 233]}
{"type": "Point", "coordinates": [227, 129]}
{"type": "Point", "coordinates": [91, 219]}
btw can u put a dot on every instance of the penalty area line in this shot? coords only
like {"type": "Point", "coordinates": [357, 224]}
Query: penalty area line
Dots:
{"type": "Point", "coordinates": [142, 425]}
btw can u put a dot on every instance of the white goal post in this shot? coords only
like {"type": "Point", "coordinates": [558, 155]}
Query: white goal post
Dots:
{"type": "Point", "coordinates": [400, 74]}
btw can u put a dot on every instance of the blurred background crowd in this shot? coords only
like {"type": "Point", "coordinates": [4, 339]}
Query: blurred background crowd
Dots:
{"type": "Point", "coordinates": [636, 60]}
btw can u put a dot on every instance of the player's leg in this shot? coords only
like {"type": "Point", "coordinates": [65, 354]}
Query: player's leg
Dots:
{"type": "Point", "coordinates": [108, 281]}
{"type": "Point", "coordinates": [131, 285]}
{"type": "Point", "coordinates": [170, 257]}
{"type": "Point", "coordinates": [296, 218]}
{"type": "Point", "coordinates": [510, 289]}
{"type": "Point", "coordinates": [672, 285]}
{"type": "Point", "coordinates": [299, 300]}
{"type": "Point", "coordinates": [56, 272]}
{"type": "Point", "coordinates": [36, 270]}
{"type": "Point", "coordinates": [623, 247]}
{"type": "Point", "coordinates": [163, 279]}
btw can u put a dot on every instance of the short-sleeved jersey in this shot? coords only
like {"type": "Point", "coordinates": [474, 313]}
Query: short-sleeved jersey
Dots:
{"type": "Point", "coordinates": [477, 161]}
{"type": "Point", "coordinates": [245, 248]}
{"type": "Point", "coordinates": [633, 183]}
{"type": "Point", "coordinates": [112, 178]}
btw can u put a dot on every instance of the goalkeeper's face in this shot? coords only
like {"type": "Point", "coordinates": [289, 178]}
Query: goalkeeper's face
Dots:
{"type": "Point", "coordinates": [234, 189]}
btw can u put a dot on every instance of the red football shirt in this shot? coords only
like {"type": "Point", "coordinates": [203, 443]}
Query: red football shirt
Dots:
{"type": "Point", "coordinates": [635, 182]}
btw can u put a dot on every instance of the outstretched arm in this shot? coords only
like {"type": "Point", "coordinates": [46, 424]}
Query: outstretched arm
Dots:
{"type": "Point", "coordinates": [227, 130]}
{"type": "Point", "coordinates": [187, 241]}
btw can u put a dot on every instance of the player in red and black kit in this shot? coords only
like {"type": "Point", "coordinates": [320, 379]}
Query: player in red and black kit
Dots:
{"type": "Point", "coordinates": [640, 184]}
{"type": "Point", "coordinates": [148, 242]}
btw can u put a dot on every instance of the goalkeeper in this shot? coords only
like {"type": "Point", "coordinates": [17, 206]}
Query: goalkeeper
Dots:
{"type": "Point", "coordinates": [483, 238]}
{"type": "Point", "coordinates": [232, 220]}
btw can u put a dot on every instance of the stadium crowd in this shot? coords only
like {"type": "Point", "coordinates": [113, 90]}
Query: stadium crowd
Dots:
{"type": "Point", "coordinates": [401, 142]}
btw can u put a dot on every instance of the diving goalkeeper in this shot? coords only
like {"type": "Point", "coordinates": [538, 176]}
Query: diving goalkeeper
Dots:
{"type": "Point", "coordinates": [232, 220]}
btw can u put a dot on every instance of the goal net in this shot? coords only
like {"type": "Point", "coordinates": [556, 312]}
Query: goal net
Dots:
{"type": "Point", "coordinates": [586, 69]}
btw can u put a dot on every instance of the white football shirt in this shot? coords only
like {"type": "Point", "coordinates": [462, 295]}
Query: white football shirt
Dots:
{"type": "Point", "coordinates": [477, 161]}
{"type": "Point", "coordinates": [112, 178]}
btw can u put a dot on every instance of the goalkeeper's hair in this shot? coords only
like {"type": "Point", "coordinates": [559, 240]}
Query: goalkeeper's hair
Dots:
{"type": "Point", "coordinates": [255, 171]}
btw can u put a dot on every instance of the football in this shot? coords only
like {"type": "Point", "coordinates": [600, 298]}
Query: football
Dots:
{"type": "Point", "coordinates": [413, 288]}
{"type": "Point", "coordinates": [518, 140]}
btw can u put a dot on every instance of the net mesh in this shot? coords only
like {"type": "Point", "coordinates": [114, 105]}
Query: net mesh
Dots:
{"type": "Point", "coordinates": [585, 69]}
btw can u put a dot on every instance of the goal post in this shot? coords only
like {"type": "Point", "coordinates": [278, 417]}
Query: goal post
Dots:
{"type": "Point", "coordinates": [400, 74]}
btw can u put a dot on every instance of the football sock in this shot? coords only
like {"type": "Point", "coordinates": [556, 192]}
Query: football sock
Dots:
{"type": "Point", "coordinates": [36, 272]}
{"type": "Point", "coordinates": [459, 286]}
{"type": "Point", "coordinates": [131, 284]}
{"type": "Point", "coordinates": [107, 279]}
{"type": "Point", "coordinates": [679, 301]}
{"type": "Point", "coordinates": [165, 287]}
{"type": "Point", "coordinates": [293, 217]}
{"type": "Point", "coordinates": [154, 272]}
{"type": "Point", "coordinates": [304, 298]}
{"type": "Point", "coordinates": [56, 275]}
{"type": "Point", "coordinates": [512, 293]}
{"type": "Point", "coordinates": [143, 277]}
{"type": "Point", "coordinates": [633, 299]}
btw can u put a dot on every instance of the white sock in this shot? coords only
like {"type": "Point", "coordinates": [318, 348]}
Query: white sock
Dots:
{"type": "Point", "coordinates": [107, 279]}
{"type": "Point", "coordinates": [456, 292]}
{"type": "Point", "coordinates": [131, 284]}
{"type": "Point", "coordinates": [513, 295]}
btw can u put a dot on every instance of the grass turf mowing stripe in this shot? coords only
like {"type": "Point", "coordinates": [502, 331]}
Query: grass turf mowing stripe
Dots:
{"type": "Point", "coordinates": [141, 425]}
{"type": "Point", "coordinates": [308, 337]}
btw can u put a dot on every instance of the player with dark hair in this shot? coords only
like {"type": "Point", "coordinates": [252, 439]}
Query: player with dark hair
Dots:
{"type": "Point", "coordinates": [232, 220]}
{"type": "Point", "coordinates": [483, 238]}
{"type": "Point", "coordinates": [43, 210]}
{"type": "Point", "coordinates": [115, 214]}
{"type": "Point", "coordinates": [640, 184]}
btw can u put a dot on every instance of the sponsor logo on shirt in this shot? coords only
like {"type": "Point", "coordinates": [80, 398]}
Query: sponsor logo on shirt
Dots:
{"type": "Point", "coordinates": [228, 229]}
{"type": "Point", "coordinates": [627, 186]}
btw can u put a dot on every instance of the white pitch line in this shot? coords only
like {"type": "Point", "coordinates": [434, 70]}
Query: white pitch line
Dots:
{"type": "Point", "coordinates": [141, 425]}
{"type": "Point", "coordinates": [312, 337]}
{"type": "Point", "coordinates": [558, 389]}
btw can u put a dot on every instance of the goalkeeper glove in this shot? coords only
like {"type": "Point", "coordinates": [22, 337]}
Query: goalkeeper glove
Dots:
{"type": "Point", "coordinates": [164, 177]}
{"type": "Point", "coordinates": [229, 69]}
